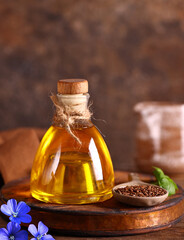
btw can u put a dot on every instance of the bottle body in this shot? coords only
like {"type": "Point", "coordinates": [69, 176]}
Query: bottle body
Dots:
{"type": "Point", "coordinates": [68, 172]}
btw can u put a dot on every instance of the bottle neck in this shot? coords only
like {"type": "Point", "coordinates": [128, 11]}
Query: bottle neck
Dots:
{"type": "Point", "coordinates": [76, 102]}
{"type": "Point", "coordinates": [76, 106]}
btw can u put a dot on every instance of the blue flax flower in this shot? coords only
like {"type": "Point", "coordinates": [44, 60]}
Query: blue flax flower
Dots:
{"type": "Point", "coordinates": [13, 232]}
{"type": "Point", "coordinates": [17, 213]}
{"type": "Point", "coordinates": [41, 233]}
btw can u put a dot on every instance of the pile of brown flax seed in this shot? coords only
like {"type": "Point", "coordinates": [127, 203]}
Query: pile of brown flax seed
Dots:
{"type": "Point", "coordinates": [141, 191]}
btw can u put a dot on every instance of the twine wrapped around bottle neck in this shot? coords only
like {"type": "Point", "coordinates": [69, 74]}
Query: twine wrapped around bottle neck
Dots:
{"type": "Point", "coordinates": [70, 111]}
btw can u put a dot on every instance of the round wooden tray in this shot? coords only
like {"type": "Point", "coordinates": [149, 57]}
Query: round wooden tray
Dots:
{"type": "Point", "coordinates": [109, 218]}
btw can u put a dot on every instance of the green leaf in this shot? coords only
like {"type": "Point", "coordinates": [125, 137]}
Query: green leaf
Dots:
{"type": "Point", "coordinates": [168, 185]}
{"type": "Point", "coordinates": [176, 187]}
{"type": "Point", "coordinates": [165, 181]}
{"type": "Point", "coordinates": [158, 173]}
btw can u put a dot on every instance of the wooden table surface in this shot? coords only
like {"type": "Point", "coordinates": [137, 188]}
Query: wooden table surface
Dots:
{"type": "Point", "coordinates": [172, 233]}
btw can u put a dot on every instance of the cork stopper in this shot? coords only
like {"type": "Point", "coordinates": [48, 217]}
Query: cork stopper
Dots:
{"type": "Point", "coordinates": [72, 86]}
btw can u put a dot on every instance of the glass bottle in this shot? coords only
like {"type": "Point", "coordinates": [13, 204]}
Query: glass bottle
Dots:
{"type": "Point", "coordinates": [72, 164]}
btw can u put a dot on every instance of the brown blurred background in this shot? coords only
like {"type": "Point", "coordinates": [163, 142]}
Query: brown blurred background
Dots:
{"type": "Point", "coordinates": [129, 50]}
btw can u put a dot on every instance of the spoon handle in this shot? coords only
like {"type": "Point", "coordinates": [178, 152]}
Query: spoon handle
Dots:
{"type": "Point", "coordinates": [133, 177]}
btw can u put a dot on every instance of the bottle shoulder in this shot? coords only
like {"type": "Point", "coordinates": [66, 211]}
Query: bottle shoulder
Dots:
{"type": "Point", "coordinates": [83, 132]}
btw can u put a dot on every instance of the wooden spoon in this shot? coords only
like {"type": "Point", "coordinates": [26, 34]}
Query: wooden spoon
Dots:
{"type": "Point", "coordinates": [135, 200]}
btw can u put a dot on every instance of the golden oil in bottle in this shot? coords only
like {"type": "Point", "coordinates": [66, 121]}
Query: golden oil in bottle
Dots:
{"type": "Point", "coordinates": [68, 171]}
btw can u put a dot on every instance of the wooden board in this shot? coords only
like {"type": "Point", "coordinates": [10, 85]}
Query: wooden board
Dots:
{"type": "Point", "coordinates": [109, 218]}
